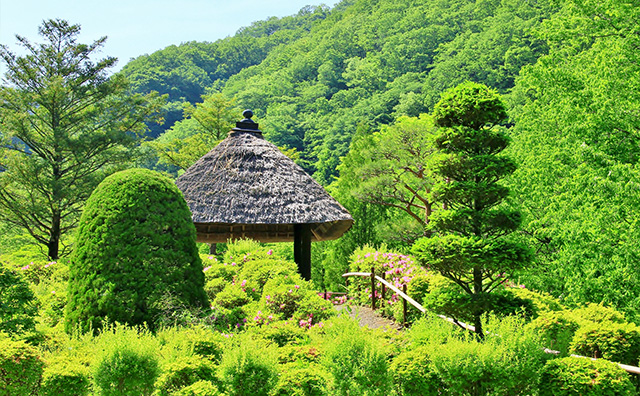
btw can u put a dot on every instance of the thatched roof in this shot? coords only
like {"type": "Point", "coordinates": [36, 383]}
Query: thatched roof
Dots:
{"type": "Point", "coordinates": [246, 188]}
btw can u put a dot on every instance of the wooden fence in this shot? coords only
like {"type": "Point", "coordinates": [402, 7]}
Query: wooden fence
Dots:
{"type": "Point", "coordinates": [408, 300]}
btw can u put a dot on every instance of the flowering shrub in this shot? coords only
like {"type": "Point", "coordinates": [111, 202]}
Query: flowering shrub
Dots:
{"type": "Point", "coordinates": [398, 269]}
{"type": "Point", "coordinates": [291, 298]}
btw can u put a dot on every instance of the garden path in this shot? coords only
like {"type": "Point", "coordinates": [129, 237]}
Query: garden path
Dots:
{"type": "Point", "coordinates": [367, 317]}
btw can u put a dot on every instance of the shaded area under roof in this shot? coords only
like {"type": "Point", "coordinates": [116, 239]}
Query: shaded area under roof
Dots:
{"type": "Point", "coordinates": [246, 188]}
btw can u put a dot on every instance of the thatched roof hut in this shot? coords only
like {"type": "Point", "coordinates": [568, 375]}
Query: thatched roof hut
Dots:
{"type": "Point", "coordinates": [246, 188]}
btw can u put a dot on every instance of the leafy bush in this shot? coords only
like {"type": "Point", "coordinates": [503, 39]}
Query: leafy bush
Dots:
{"type": "Point", "coordinates": [232, 296]}
{"type": "Point", "coordinates": [135, 243]}
{"type": "Point", "coordinates": [616, 342]}
{"type": "Point", "coordinates": [184, 372]}
{"type": "Point", "coordinates": [20, 368]}
{"type": "Point", "coordinates": [584, 377]}
{"type": "Point", "coordinates": [300, 354]}
{"type": "Point", "coordinates": [291, 297]}
{"type": "Point", "coordinates": [413, 374]}
{"type": "Point", "coordinates": [200, 388]}
{"type": "Point", "coordinates": [507, 362]}
{"type": "Point", "coordinates": [64, 377]}
{"type": "Point", "coordinates": [301, 381]}
{"type": "Point", "coordinates": [598, 313]}
{"type": "Point", "coordinates": [17, 303]}
{"type": "Point", "coordinates": [357, 361]}
{"type": "Point", "coordinates": [283, 333]}
{"type": "Point", "coordinates": [127, 363]}
{"type": "Point", "coordinates": [542, 302]}
{"type": "Point", "coordinates": [248, 369]}
{"type": "Point", "coordinates": [555, 330]}
{"type": "Point", "coordinates": [215, 286]}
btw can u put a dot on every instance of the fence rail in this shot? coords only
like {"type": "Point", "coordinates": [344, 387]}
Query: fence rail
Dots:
{"type": "Point", "coordinates": [406, 299]}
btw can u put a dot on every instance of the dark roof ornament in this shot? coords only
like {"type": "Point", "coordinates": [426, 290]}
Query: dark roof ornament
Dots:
{"type": "Point", "coordinates": [247, 124]}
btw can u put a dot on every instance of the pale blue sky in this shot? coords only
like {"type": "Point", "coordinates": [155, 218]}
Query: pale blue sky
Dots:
{"type": "Point", "coordinates": [138, 27]}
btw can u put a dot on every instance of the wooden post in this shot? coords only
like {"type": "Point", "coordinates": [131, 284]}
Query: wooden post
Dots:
{"type": "Point", "coordinates": [384, 289]}
{"type": "Point", "coordinates": [302, 249]}
{"type": "Point", "coordinates": [212, 248]}
{"type": "Point", "coordinates": [373, 288]}
{"type": "Point", "coordinates": [404, 307]}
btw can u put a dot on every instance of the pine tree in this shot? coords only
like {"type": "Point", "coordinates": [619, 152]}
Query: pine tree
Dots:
{"type": "Point", "coordinates": [470, 245]}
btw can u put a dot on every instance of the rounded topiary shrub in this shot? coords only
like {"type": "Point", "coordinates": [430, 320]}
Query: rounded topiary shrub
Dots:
{"type": "Point", "coordinates": [584, 377]}
{"type": "Point", "coordinates": [136, 244]}
{"type": "Point", "coordinates": [200, 388]}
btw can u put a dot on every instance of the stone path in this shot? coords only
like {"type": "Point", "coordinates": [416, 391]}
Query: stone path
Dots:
{"type": "Point", "coordinates": [367, 317]}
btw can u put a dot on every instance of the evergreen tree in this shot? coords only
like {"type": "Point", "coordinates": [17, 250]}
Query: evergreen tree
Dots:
{"type": "Point", "coordinates": [63, 122]}
{"type": "Point", "coordinates": [470, 244]}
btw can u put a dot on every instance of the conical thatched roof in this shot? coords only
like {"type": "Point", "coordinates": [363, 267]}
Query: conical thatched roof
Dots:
{"type": "Point", "coordinates": [246, 188]}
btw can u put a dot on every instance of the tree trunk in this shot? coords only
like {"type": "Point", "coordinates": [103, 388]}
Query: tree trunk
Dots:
{"type": "Point", "coordinates": [477, 290]}
{"type": "Point", "coordinates": [54, 237]}
{"type": "Point", "coordinates": [212, 248]}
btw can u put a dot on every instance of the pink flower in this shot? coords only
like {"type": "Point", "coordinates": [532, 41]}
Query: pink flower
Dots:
{"type": "Point", "coordinates": [297, 287]}
{"type": "Point", "coordinates": [210, 257]}
{"type": "Point", "coordinates": [205, 269]}
{"type": "Point", "coordinates": [270, 252]}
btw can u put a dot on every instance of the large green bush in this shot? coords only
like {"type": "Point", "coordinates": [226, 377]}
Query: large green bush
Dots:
{"type": "Point", "coordinates": [616, 342]}
{"type": "Point", "coordinates": [584, 377]}
{"type": "Point", "coordinates": [20, 368]}
{"type": "Point", "coordinates": [413, 374]}
{"type": "Point", "coordinates": [127, 362]}
{"type": "Point", "coordinates": [357, 360]}
{"type": "Point", "coordinates": [248, 369]}
{"type": "Point", "coordinates": [17, 302]}
{"type": "Point", "coordinates": [135, 245]}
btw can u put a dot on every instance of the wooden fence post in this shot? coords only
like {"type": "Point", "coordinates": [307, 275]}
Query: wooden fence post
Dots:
{"type": "Point", "coordinates": [384, 289]}
{"type": "Point", "coordinates": [373, 289]}
{"type": "Point", "coordinates": [404, 306]}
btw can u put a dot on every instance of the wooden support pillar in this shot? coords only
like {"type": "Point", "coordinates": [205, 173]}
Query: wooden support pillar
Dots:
{"type": "Point", "coordinates": [302, 249]}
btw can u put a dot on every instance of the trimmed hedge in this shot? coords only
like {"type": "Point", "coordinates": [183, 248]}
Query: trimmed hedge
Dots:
{"type": "Point", "coordinates": [135, 246]}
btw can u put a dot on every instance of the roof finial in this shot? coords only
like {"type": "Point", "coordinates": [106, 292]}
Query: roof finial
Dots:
{"type": "Point", "coordinates": [247, 114]}
{"type": "Point", "coordinates": [247, 124]}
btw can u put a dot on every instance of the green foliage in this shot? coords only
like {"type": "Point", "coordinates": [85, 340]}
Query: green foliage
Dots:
{"type": "Point", "coordinates": [412, 374]}
{"type": "Point", "coordinates": [126, 363]}
{"type": "Point", "coordinates": [615, 342]}
{"type": "Point", "coordinates": [556, 330]}
{"type": "Point", "coordinates": [200, 388]}
{"type": "Point", "coordinates": [298, 381]}
{"type": "Point", "coordinates": [248, 369]}
{"type": "Point", "coordinates": [507, 362]}
{"type": "Point", "coordinates": [136, 244]}
{"type": "Point", "coordinates": [584, 377]}
{"type": "Point", "coordinates": [184, 372]}
{"type": "Point", "coordinates": [577, 161]}
{"type": "Point", "coordinates": [356, 360]}
{"type": "Point", "coordinates": [65, 126]}
{"type": "Point", "coordinates": [65, 378]}
{"type": "Point", "coordinates": [17, 303]}
{"type": "Point", "coordinates": [20, 368]}
{"type": "Point", "coordinates": [187, 141]}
